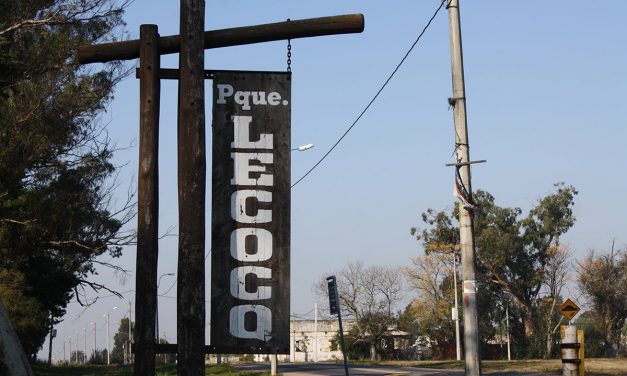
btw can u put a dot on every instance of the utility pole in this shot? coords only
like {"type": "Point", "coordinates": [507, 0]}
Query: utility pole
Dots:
{"type": "Point", "coordinates": [130, 339]}
{"type": "Point", "coordinates": [108, 348]}
{"type": "Point", "coordinates": [95, 350]}
{"type": "Point", "coordinates": [84, 345]}
{"type": "Point", "coordinates": [316, 332]}
{"type": "Point", "coordinates": [509, 353]}
{"type": "Point", "coordinates": [458, 345]}
{"type": "Point", "coordinates": [469, 279]}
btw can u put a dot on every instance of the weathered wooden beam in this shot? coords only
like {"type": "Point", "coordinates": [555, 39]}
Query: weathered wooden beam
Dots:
{"type": "Point", "coordinates": [312, 27]}
{"type": "Point", "coordinates": [192, 167]}
{"type": "Point", "coordinates": [147, 201]}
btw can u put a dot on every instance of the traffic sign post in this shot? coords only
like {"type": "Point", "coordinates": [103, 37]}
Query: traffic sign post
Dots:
{"type": "Point", "coordinates": [334, 309]}
{"type": "Point", "coordinates": [569, 309]}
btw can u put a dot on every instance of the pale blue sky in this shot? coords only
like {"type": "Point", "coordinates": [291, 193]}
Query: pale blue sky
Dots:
{"type": "Point", "coordinates": [546, 103]}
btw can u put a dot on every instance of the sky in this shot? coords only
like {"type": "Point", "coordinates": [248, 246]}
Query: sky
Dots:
{"type": "Point", "coordinates": [545, 88]}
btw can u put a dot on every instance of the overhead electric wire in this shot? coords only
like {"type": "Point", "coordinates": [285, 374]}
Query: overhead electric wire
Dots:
{"type": "Point", "coordinates": [375, 96]}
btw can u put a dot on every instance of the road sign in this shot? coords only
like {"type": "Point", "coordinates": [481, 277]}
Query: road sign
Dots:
{"type": "Point", "coordinates": [569, 309]}
{"type": "Point", "coordinates": [334, 306]}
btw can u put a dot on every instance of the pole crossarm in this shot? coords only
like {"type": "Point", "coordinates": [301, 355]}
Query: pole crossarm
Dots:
{"type": "Point", "coordinates": [465, 163]}
{"type": "Point", "coordinates": [311, 27]}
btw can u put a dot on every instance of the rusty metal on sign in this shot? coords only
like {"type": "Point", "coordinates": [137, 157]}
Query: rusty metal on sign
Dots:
{"type": "Point", "coordinates": [569, 309]}
{"type": "Point", "coordinates": [250, 267]}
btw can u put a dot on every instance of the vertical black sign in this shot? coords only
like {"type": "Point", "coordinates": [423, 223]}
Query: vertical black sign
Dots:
{"type": "Point", "coordinates": [250, 262]}
{"type": "Point", "coordinates": [334, 306]}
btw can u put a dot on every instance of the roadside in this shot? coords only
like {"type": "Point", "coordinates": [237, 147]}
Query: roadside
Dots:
{"type": "Point", "coordinates": [594, 367]}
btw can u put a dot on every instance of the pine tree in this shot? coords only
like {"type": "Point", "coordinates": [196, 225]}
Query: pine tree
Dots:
{"type": "Point", "coordinates": [55, 159]}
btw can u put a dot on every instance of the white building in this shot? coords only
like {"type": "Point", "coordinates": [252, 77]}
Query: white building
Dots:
{"type": "Point", "coordinates": [311, 343]}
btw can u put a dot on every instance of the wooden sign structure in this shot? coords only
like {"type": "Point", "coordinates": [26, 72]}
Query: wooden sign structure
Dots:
{"type": "Point", "coordinates": [250, 240]}
{"type": "Point", "coordinates": [191, 165]}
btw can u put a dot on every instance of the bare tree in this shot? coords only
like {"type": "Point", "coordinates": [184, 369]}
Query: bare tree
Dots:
{"type": "Point", "coordinates": [556, 271]}
{"type": "Point", "coordinates": [603, 279]}
{"type": "Point", "coordinates": [430, 277]}
{"type": "Point", "coordinates": [369, 295]}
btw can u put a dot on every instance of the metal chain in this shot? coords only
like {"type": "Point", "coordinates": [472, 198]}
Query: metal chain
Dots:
{"type": "Point", "coordinates": [289, 55]}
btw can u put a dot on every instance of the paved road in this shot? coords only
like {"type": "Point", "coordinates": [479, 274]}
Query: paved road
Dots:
{"type": "Point", "coordinates": [329, 369]}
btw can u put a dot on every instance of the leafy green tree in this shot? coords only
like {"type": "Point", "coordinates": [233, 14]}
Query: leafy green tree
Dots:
{"type": "Point", "coordinates": [99, 357]}
{"type": "Point", "coordinates": [602, 278]}
{"type": "Point", "coordinates": [512, 252]}
{"type": "Point", "coordinates": [121, 341]}
{"type": "Point", "coordinates": [55, 212]}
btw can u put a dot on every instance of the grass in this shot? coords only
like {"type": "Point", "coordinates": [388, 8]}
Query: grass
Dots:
{"type": "Point", "coordinates": [594, 367]}
{"type": "Point", "coordinates": [89, 370]}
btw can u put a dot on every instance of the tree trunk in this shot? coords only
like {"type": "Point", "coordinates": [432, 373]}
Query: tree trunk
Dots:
{"type": "Point", "coordinates": [373, 351]}
{"type": "Point", "coordinates": [549, 343]}
{"type": "Point", "coordinates": [528, 322]}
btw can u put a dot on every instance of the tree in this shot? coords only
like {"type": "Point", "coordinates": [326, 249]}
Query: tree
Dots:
{"type": "Point", "coordinates": [369, 295]}
{"type": "Point", "coordinates": [56, 209]}
{"type": "Point", "coordinates": [512, 252]}
{"type": "Point", "coordinates": [121, 341]}
{"type": "Point", "coordinates": [429, 315]}
{"type": "Point", "coordinates": [99, 357]}
{"type": "Point", "coordinates": [556, 274]}
{"type": "Point", "coordinates": [602, 278]}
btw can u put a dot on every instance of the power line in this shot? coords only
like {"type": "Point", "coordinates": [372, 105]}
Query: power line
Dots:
{"type": "Point", "coordinates": [375, 96]}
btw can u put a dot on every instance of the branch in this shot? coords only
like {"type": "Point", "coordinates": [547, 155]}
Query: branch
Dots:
{"type": "Point", "coordinates": [96, 287]}
{"type": "Point", "coordinates": [27, 23]}
{"type": "Point", "coordinates": [24, 223]}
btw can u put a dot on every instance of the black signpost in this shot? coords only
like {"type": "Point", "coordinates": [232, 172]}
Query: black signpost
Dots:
{"type": "Point", "coordinates": [334, 308]}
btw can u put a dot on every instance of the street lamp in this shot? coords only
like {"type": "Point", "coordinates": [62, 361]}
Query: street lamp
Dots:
{"type": "Point", "coordinates": [157, 307]}
{"type": "Point", "coordinates": [108, 335]}
{"type": "Point", "coordinates": [303, 147]}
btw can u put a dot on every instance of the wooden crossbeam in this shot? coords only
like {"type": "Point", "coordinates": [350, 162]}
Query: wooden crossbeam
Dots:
{"type": "Point", "coordinates": [312, 27]}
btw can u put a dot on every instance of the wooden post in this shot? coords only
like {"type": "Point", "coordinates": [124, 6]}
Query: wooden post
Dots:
{"type": "Point", "coordinates": [147, 202]}
{"type": "Point", "coordinates": [191, 181]}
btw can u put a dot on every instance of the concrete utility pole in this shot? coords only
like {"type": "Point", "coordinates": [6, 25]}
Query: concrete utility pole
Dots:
{"type": "Point", "coordinates": [458, 350]}
{"type": "Point", "coordinates": [95, 345]}
{"type": "Point", "coordinates": [130, 338]}
{"type": "Point", "coordinates": [316, 332]}
{"type": "Point", "coordinates": [84, 345]}
{"type": "Point", "coordinates": [108, 347]}
{"type": "Point", "coordinates": [509, 353]}
{"type": "Point", "coordinates": [469, 279]}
